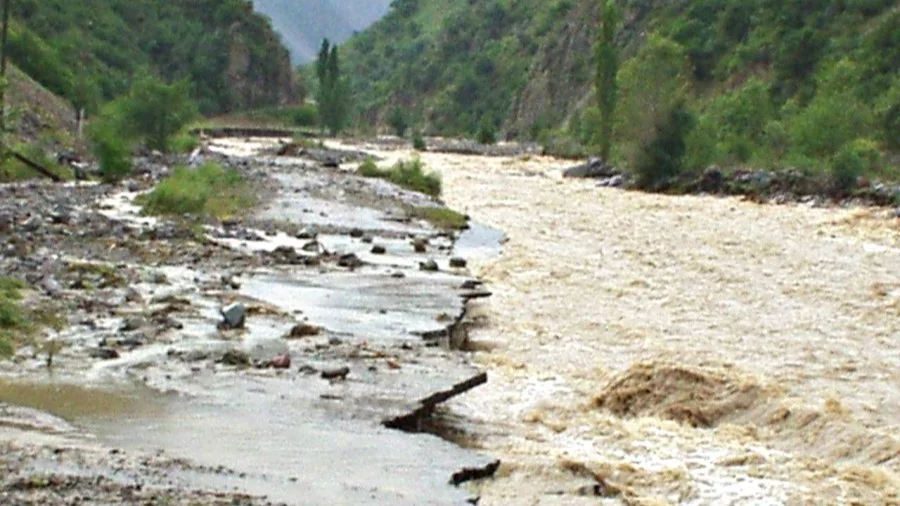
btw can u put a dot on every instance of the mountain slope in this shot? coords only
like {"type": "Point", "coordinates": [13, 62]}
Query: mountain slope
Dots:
{"type": "Point", "coordinates": [526, 66]}
{"type": "Point", "coordinates": [88, 51]}
{"type": "Point", "coordinates": [304, 23]}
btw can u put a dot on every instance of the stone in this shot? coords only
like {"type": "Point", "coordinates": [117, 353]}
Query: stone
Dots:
{"type": "Point", "coordinates": [234, 315]}
{"type": "Point", "coordinates": [350, 261]}
{"type": "Point", "coordinates": [458, 263]}
{"type": "Point", "coordinates": [368, 239]}
{"type": "Point", "coordinates": [307, 233]}
{"type": "Point", "coordinates": [594, 168]}
{"type": "Point", "coordinates": [420, 245]}
{"type": "Point", "coordinates": [104, 353]}
{"type": "Point", "coordinates": [378, 250]}
{"type": "Point", "coordinates": [236, 358]}
{"type": "Point", "coordinates": [335, 373]}
{"type": "Point", "coordinates": [304, 329]}
{"type": "Point", "coordinates": [51, 286]}
{"type": "Point", "coordinates": [429, 266]}
{"type": "Point", "coordinates": [132, 323]}
{"type": "Point", "coordinates": [281, 361]}
{"type": "Point", "coordinates": [285, 254]}
{"type": "Point", "coordinates": [132, 295]}
{"type": "Point", "coordinates": [357, 233]}
{"type": "Point", "coordinates": [312, 247]}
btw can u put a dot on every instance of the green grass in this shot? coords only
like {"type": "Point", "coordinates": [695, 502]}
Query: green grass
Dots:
{"type": "Point", "coordinates": [409, 174]}
{"type": "Point", "coordinates": [16, 324]}
{"type": "Point", "coordinates": [14, 170]}
{"type": "Point", "coordinates": [207, 191]}
{"type": "Point", "coordinates": [440, 217]}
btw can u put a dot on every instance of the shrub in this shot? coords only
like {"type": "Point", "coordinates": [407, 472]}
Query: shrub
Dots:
{"type": "Point", "coordinates": [398, 121]}
{"type": "Point", "coordinates": [419, 142]}
{"type": "Point", "coordinates": [487, 133]}
{"type": "Point", "coordinates": [112, 150]}
{"type": "Point", "coordinates": [846, 168]}
{"type": "Point", "coordinates": [410, 175]}
{"type": "Point", "coordinates": [14, 321]}
{"type": "Point", "coordinates": [661, 158]}
{"type": "Point", "coordinates": [206, 191]}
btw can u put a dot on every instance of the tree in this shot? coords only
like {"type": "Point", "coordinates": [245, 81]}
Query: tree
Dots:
{"type": "Point", "coordinates": [398, 121]}
{"type": "Point", "coordinates": [605, 81]}
{"type": "Point", "coordinates": [155, 111]}
{"type": "Point", "coordinates": [333, 96]}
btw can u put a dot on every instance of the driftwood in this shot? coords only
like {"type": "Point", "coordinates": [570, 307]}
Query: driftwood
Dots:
{"type": "Point", "coordinates": [37, 167]}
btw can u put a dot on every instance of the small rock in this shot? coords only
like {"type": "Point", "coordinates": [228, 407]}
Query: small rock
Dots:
{"type": "Point", "coordinates": [307, 369]}
{"type": "Point", "coordinates": [335, 373]}
{"type": "Point", "coordinates": [235, 358]}
{"type": "Point", "coordinates": [285, 254]}
{"type": "Point", "coordinates": [312, 247]}
{"type": "Point", "coordinates": [356, 233]}
{"type": "Point", "coordinates": [378, 250]}
{"type": "Point", "coordinates": [304, 330]}
{"type": "Point", "coordinates": [398, 275]}
{"type": "Point", "coordinates": [350, 261]}
{"type": "Point", "coordinates": [132, 323]}
{"type": "Point", "coordinates": [33, 224]}
{"type": "Point", "coordinates": [132, 295]}
{"type": "Point", "coordinates": [281, 361]}
{"type": "Point", "coordinates": [458, 263]}
{"type": "Point", "coordinates": [368, 239]}
{"type": "Point", "coordinates": [104, 353]}
{"type": "Point", "coordinates": [420, 245]}
{"type": "Point", "coordinates": [307, 233]}
{"type": "Point", "coordinates": [234, 315]}
{"type": "Point", "coordinates": [133, 186]}
{"type": "Point", "coordinates": [51, 286]}
{"type": "Point", "coordinates": [160, 279]}
{"type": "Point", "coordinates": [429, 266]}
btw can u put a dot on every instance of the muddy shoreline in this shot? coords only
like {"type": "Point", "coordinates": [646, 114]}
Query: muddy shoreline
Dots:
{"type": "Point", "coordinates": [337, 339]}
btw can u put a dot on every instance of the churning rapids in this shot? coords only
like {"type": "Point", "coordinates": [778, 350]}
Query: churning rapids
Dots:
{"type": "Point", "coordinates": [651, 349]}
{"type": "Point", "coordinates": [642, 349]}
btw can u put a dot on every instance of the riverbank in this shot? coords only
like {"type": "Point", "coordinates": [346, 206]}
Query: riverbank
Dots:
{"type": "Point", "coordinates": [327, 308]}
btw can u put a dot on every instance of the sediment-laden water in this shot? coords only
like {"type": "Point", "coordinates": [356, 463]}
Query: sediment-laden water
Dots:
{"type": "Point", "coordinates": [679, 350]}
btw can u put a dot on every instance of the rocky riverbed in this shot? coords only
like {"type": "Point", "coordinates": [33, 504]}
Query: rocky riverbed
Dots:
{"type": "Point", "coordinates": [265, 358]}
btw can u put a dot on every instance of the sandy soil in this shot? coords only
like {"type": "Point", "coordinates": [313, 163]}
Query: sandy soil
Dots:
{"type": "Point", "coordinates": [679, 350]}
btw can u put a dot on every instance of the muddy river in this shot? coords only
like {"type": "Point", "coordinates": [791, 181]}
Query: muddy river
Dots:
{"type": "Point", "coordinates": [679, 350]}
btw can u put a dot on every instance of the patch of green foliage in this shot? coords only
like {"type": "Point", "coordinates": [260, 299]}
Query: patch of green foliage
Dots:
{"type": "Point", "coordinates": [208, 191]}
{"type": "Point", "coordinates": [334, 91]}
{"type": "Point", "coordinates": [398, 120]}
{"type": "Point", "coordinates": [408, 174]}
{"type": "Point", "coordinates": [12, 169]}
{"type": "Point", "coordinates": [153, 113]}
{"type": "Point", "coordinates": [487, 134]}
{"type": "Point", "coordinates": [418, 142]}
{"type": "Point", "coordinates": [441, 217]}
{"type": "Point", "coordinates": [17, 323]}
{"type": "Point", "coordinates": [88, 50]}
{"type": "Point", "coordinates": [771, 84]}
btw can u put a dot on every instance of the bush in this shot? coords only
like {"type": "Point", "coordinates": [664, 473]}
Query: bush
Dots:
{"type": "Point", "coordinates": [112, 150]}
{"type": "Point", "coordinates": [419, 142]}
{"type": "Point", "coordinates": [410, 175]}
{"type": "Point", "coordinates": [487, 134]}
{"type": "Point", "coordinates": [206, 191]}
{"type": "Point", "coordinates": [846, 168]}
{"type": "Point", "coordinates": [661, 159]}
{"type": "Point", "coordinates": [14, 319]}
{"type": "Point", "coordinates": [398, 121]}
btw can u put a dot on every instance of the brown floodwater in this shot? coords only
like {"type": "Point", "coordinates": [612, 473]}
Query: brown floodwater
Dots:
{"type": "Point", "coordinates": [682, 350]}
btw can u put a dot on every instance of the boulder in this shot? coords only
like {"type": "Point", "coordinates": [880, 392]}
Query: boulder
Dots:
{"type": "Point", "coordinates": [458, 263]}
{"type": "Point", "coordinates": [234, 315]}
{"type": "Point", "coordinates": [304, 329]}
{"type": "Point", "coordinates": [429, 266]}
{"type": "Point", "coordinates": [378, 250]}
{"type": "Point", "coordinates": [281, 361]}
{"type": "Point", "coordinates": [594, 168]}
{"type": "Point", "coordinates": [350, 261]}
{"type": "Point", "coordinates": [308, 233]}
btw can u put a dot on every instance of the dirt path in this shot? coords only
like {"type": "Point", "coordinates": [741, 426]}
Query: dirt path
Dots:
{"type": "Point", "coordinates": [685, 350]}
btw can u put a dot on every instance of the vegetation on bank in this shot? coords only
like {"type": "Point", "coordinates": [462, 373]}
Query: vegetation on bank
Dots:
{"type": "Point", "coordinates": [674, 88]}
{"type": "Point", "coordinates": [18, 324]}
{"type": "Point", "coordinates": [441, 217]}
{"type": "Point", "coordinates": [208, 191]}
{"type": "Point", "coordinates": [408, 174]}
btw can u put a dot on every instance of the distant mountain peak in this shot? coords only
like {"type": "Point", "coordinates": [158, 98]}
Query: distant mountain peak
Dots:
{"type": "Point", "coordinates": [304, 23]}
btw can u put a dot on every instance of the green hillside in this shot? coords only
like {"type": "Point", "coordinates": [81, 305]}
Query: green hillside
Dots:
{"type": "Point", "coordinates": [765, 81]}
{"type": "Point", "coordinates": [89, 50]}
